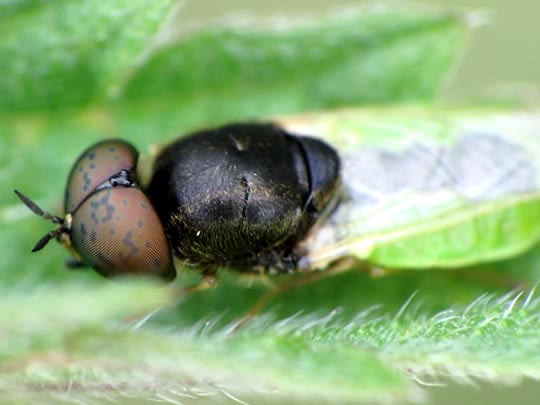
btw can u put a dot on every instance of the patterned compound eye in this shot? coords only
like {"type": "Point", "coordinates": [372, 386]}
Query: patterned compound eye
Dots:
{"type": "Point", "coordinates": [94, 166]}
{"type": "Point", "coordinates": [109, 224]}
{"type": "Point", "coordinates": [117, 232]}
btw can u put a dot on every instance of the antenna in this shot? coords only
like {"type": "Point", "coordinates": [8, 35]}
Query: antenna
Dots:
{"type": "Point", "coordinates": [38, 211]}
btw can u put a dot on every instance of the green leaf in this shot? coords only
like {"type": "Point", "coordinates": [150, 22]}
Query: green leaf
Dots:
{"type": "Point", "coordinates": [376, 55]}
{"type": "Point", "coordinates": [51, 61]}
{"type": "Point", "coordinates": [49, 350]}
{"type": "Point", "coordinates": [66, 53]}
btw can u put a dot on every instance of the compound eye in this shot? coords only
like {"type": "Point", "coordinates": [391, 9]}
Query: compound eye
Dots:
{"type": "Point", "coordinates": [95, 165]}
{"type": "Point", "coordinates": [117, 232]}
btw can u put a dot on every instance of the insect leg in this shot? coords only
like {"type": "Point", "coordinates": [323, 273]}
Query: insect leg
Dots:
{"type": "Point", "coordinates": [208, 280]}
{"type": "Point", "coordinates": [339, 266]}
{"type": "Point", "coordinates": [491, 278]}
{"type": "Point", "coordinates": [74, 264]}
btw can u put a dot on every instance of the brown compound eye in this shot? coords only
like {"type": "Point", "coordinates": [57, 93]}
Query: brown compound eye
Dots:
{"type": "Point", "coordinates": [94, 166]}
{"type": "Point", "coordinates": [117, 232]}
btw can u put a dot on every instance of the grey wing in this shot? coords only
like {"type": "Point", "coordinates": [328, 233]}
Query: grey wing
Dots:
{"type": "Point", "coordinates": [389, 188]}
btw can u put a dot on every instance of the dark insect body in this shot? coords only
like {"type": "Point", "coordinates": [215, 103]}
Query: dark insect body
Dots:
{"type": "Point", "coordinates": [242, 196]}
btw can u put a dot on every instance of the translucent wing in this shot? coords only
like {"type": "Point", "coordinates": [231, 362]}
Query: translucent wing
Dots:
{"type": "Point", "coordinates": [426, 190]}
